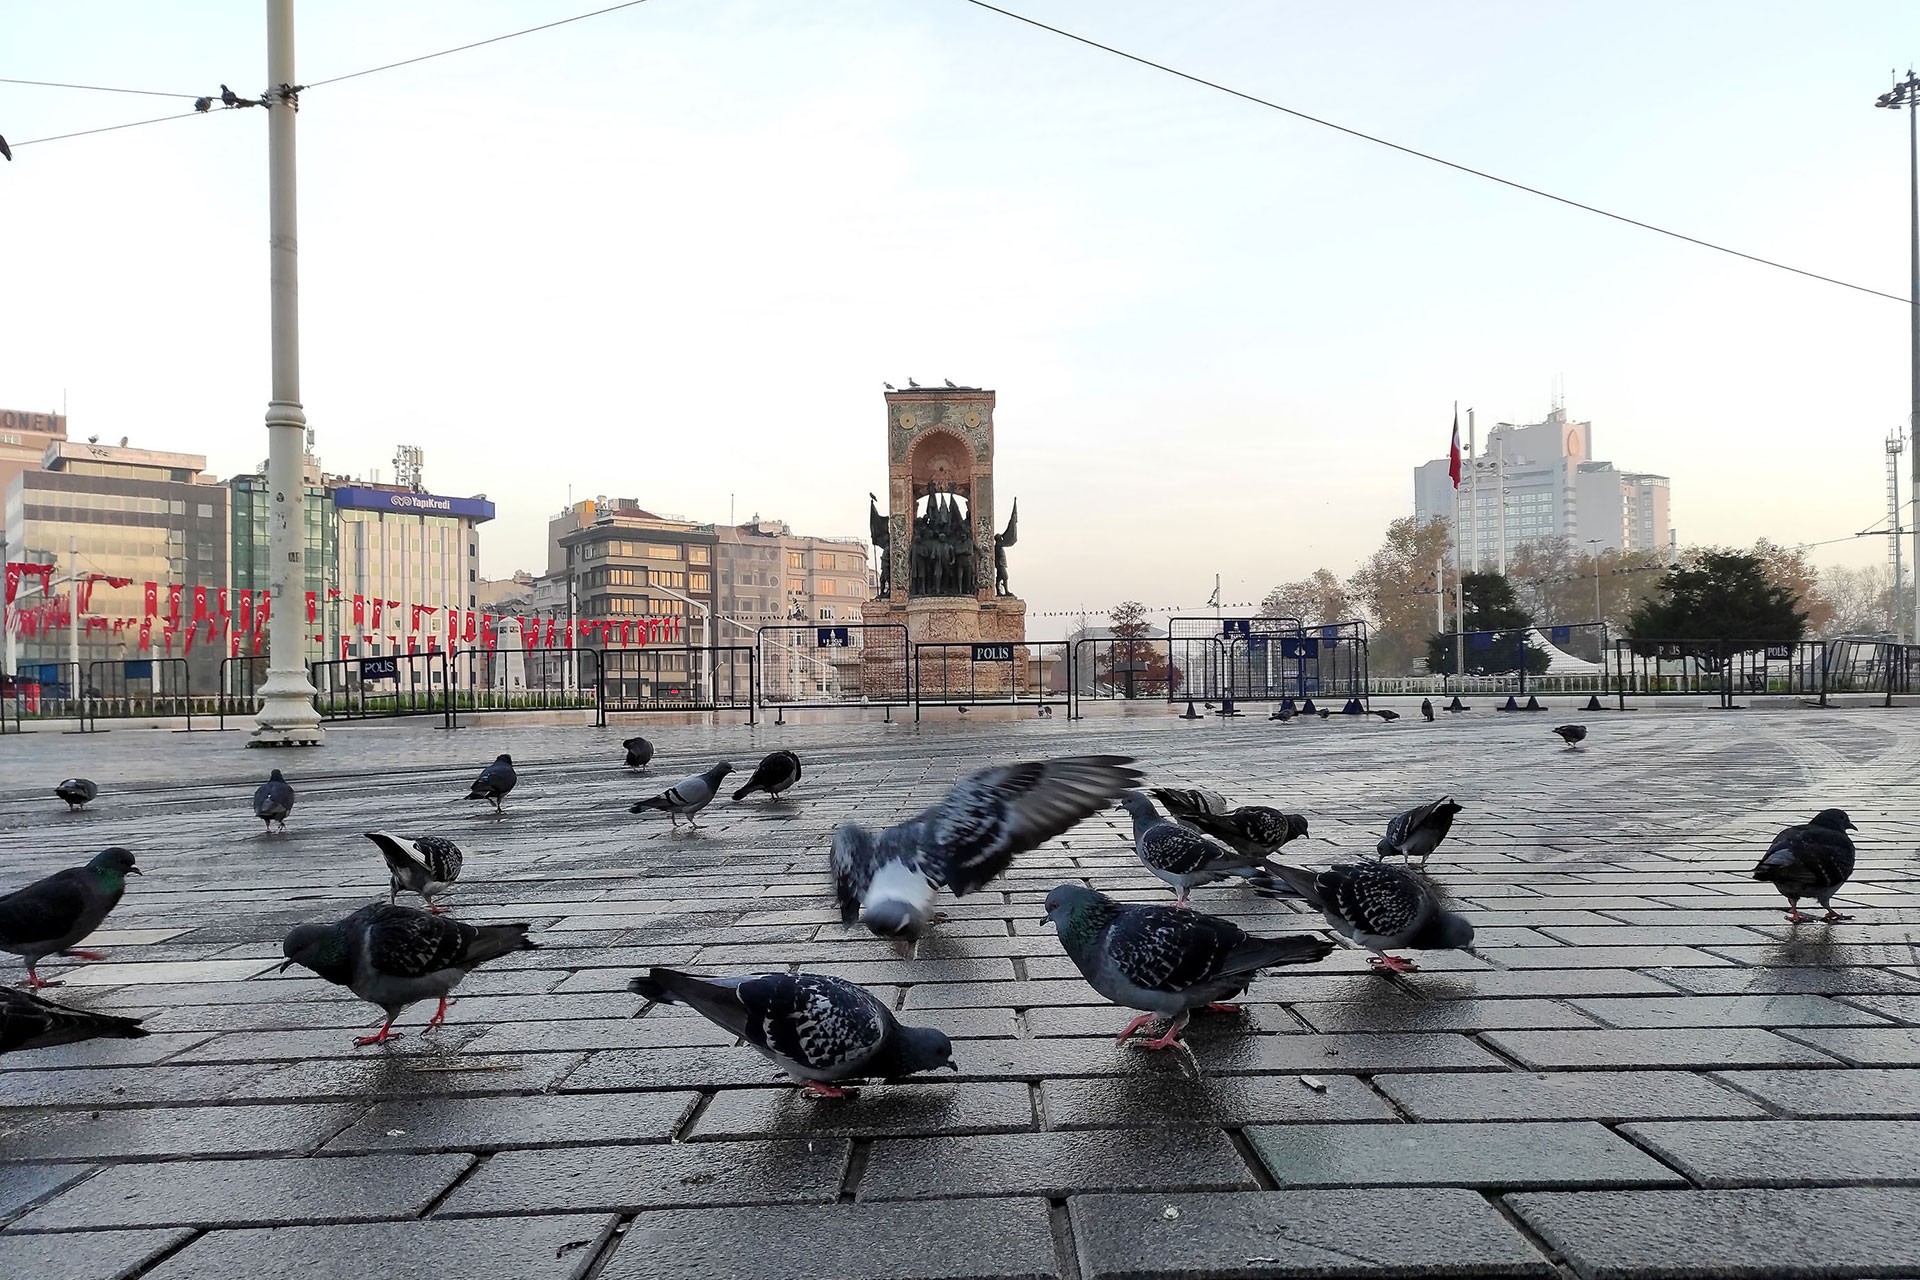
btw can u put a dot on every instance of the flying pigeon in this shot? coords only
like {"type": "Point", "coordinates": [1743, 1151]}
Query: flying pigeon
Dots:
{"type": "Point", "coordinates": [494, 782]}
{"type": "Point", "coordinates": [394, 956]}
{"type": "Point", "coordinates": [1426, 709]}
{"type": "Point", "coordinates": [1386, 716]}
{"type": "Point", "coordinates": [273, 801]}
{"type": "Point", "coordinates": [776, 773]}
{"type": "Point", "coordinates": [1164, 960]}
{"type": "Point", "coordinates": [1417, 832]}
{"type": "Point", "coordinates": [1381, 907]}
{"type": "Point", "coordinates": [686, 797]}
{"type": "Point", "coordinates": [429, 870]}
{"type": "Point", "coordinates": [1573, 735]}
{"type": "Point", "coordinates": [6, 152]}
{"type": "Point", "coordinates": [76, 792]}
{"type": "Point", "coordinates": [50, 915]}
{"type": "Point", "coordinates": [28, 1022]}
{"type": "Point", "coordinates": [639, 752]}
{"type": "Point", "coordinates": [1809, 861]}
{"type": "Point", "coordinates": [1251, 828]}
{"type": "Point", "coordinates": [886, 879]}
{"type": "Point", "coordinates": [817, 1029]}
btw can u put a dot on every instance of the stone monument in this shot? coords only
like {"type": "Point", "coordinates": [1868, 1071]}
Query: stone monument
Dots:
{"type": "Point", "coordinates": [943, 562]}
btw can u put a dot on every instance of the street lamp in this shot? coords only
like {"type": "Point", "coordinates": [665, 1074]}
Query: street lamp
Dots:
{"type": "Point", "coordinates": [1906, 93]}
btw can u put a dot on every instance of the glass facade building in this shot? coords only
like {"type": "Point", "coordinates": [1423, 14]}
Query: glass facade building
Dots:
{"type": "Point", "coordinates": [251, 500]}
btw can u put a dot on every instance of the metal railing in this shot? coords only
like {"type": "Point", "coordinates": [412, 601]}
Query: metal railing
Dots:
{"type": "Point", "coordinates": [121, 688]}
{"type": "Point", "coordinates": [1720, 669]}
{"type": "Point", "coordinates": [240, 681]}
{"type": "Point", "coordinates": [835, 665]}
{"type": "Point", "coordinates": [963, 674]}
{"type": "Point", "coordinates": [383, 686]}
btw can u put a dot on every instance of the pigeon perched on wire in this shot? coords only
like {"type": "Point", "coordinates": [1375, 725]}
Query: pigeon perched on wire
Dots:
{"type": "Point", "coordinates": [29, 1022]}
{"type": "Point", "coordinates": [639, 752]}
{"type": "Point", "coordinates": [77, 792]}
{"type": "Point", "coordinates": [273, 801]}
{"type": "Point", "coordinates": [887, 879]}
{"type": "Point", "coordinates": [819, 1030]}
{"type": "Point", "coordinates": [48, 916]}
{"type": "Point", "coordinates": [1812, 860]}
{"type": "Point", "coordinates": [1426, 709]}
{"type": "Point", "coordinates": [427, 866]}
{"type": "Point", "coordinates": [1418, 831]}
{"type": "Point", "coordinates": [1382, 908]}
{"type": "Point", "coordinates": [494, 782]}
{"type": "Point", "coordinates": [1573, 735]}
{"type": "Point", "coordinates": [203, 105]}
{"type": "Point", "coordinates": [229, 98]}
{"type": "Point", "coordinates": [686, 797]}
{"type": "Point", "coordinates": [776, 773]}
{"type": "Point", "coordinates": [1163, 960]}
{"type": "Point", "coordinates": [396, 956]}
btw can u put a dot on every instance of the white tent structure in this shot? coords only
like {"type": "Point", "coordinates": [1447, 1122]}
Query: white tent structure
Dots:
{"type": "Point", "coordinates": [1559, 661]}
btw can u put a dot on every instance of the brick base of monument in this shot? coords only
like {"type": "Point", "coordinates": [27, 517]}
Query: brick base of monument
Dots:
{"type": "Point", "coordinates": [962, 620]}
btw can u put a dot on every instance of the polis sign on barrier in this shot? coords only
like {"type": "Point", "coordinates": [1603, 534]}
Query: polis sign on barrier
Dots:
{"type": "Point", "coordinates": [993, 653]}
{"type": "Point", "coordinates": [380, 668]}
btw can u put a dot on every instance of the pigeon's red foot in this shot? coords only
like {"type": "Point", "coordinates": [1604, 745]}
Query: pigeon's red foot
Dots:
{"type": "Point", "coordinates": [1393, 964]}
{"type": "Point", "coordinates": [86, 955]}
{"type": "Point", "coordinates": [381, 1036]}
{"type": "Point", "coordinates": [1795, 915]}
{"type": "Point", "coordinates": [34, 981]}
{"type": "Point", "coordinates": [435, 909]}
{"type": "Point", "coordinates": [1223, 1007]}
{"type": "Point", "coordinates": [1168, 1039]}
{"type": "Point", "coordinates": [440, 1015]}
{"type": "Point", "coordinates": [815, 1089]}
{"type": "Point", "coordinates": [1830, 917]}
{"type": "Point", "coordinates": [1134, 1026]}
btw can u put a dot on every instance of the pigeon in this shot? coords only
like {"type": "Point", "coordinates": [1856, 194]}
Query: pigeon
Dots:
{"type": "Point", "coordinates": [888, 385]}
{"type": "Point", "coordinates": [1426, 709]}
{"type": "Point", "coordinates": [29, 1022]}
{"type": "Point", "coordinates": [1283, 715]}
{"type": "Point", "coordinates": [1386, 716]}
{"type": "Point", "coordinates": [817, 1029]}
{"type": "Point", "coordinates": [429, 870]}
{"type": "Point", "coordinates": [886, 879]}
{"type": "Point", "coordinates": [203, 105]}
{"type": "Point", "coordinates": [229, 98]}
{"type": "Point", "coordinates": [76, 792]}
{"type": "Point", "coordinates": [1417, 832]}
{"type": "Point", "coordinates": [1810, 861]}
{"type": "Point", "coordinates": [1178, 854]}
{"type": "Point", "coordinates": [686, 797]}
{"type": "Point", "coordinates": [1323, 712]}
{"type": "Point", "coordinates": [1573, 735]}
{"type": "Point", "coordinates": [776, 773]}
{"type": "Point", "coordinates": [6, 152]}
{"type": "Point", "coordinates": [912, 383]}
{"type": "Point", "coordinates": [950, 382]}
{"type": "Point", "coordinates": [1164, 960]}
{"type": "Point", "coordinates": [1251, 828]}
{"type": "Point", "coordinates": [1381, 907]}
{"type": "Point", "coordinates": [494, 782]}
{"type": "Point", "coordinates": [639, 752]}
{"type": "Point", "coordinates": [48, 916]}
{"type": "Point", "coordinates": [394, 956]}
{"type": "Point", "coordinates": [273, 801]}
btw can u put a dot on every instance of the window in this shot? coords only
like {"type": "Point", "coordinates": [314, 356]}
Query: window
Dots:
{"type": "Point", "coordinates": [698, 582]}
{"type": "Point", "coordinates": [825, 559]}
{"type": "Point", "coordinates": [657, 552]}
{"type": "Point", "coordinates": [796, 587]}
{"type": "Point", "coordinates": [795, 560]}
{"type": "Point", "coordinates": [699, 555]}
{"type": "Point", "coordinates": [828, 587]}
{"type": "Point", "coordinates": [826, 613]}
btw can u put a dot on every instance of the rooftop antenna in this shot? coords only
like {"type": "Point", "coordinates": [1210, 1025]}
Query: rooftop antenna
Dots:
{"type": "Point", "coordinates": [409, 466]}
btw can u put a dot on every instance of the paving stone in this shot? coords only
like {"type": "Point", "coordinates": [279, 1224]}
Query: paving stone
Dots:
{"type": "Point", "coordinates": [1494, 1156]}
{"type": "Point", "coordinates": [295, 1046]}
{"type": "Point", "coordinates": [1828, 1233]}
{"type": "Point", "coordinates": [880, 1110]}
{"type": "Point", "coordinates": [175, 1131]}
{"type": "Point", "coordinates": [1570, 1095]}
{"type": "Point", "coordinates": [367, 1079]}
{"type": "Point", "coordinates": [491, 1123]}
{"type": "Point", "coordinates": [1726, 1011]}
{"type": "Point", "coordinates": [1672, 957]}
{"type": "Point", "coordinates": [102, 1053]}
{"type": "Point", "coordinates": [1835, 1094]}
{"type": "Point", "coordinates": [1862, 1046]}
{"type": "Point", "coordinates": [1441, 1015]}
{"type": "Point", "coordinates": [556, 1247]}
{"type": "Point", "coordinates": [1052, 1164]}
{"type": "Point", "coordinates": [995, 995]}
{"type": "Point", "coordinates": [1542, 984]}
{"type": "Point", "coordinates": [592, 1034]}
{"type": "Point", "coordinates": [1898, 1008]}
{"type": "Point", "coordinates": [212, 1193]}
{"type": "Point", "coordinates": [1231, 1102]}
{"type": "Point", "coordinates": [1678, 1047]}
{"type": "Point", "coordinates": [22, 1184]}
{"type": "Point", "coordinates": [674, 1068]}
{"type": "Point", "coordinates": [976, 1240]}
{"type": "Point", "coordinates": [1786, 1153]}
{"type": "Point", "coordinates": [1100, 1020]}
{"type": "Point", "coordinates": [127, 1086]}
{"type": "Point", "coordinates": [1299, 1235]}
{"type": "Point", "coordinates": [84, 1255]}
{"type": "Point", "coordinates": [108, 974]}
{"type": "Point", "coordinates": [624, 1179]}
{"type": "Point", "coordinates": [1785, 981]}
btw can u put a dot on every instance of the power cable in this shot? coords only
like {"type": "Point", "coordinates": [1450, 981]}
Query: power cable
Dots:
{"type": "Point", "coordinates": [1422, 155]}
{"type": "Point", "coordinates": [527, 31]}
{"type": "Point", "coordinates": [111, 128]}
{"type": "Point", "coordinates": [97, 88]}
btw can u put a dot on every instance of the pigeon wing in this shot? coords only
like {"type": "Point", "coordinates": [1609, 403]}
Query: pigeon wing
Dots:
{"type": "Point", "coordinates": [858, 854]}
{"type": "Point", "coordinates": [1168, 949]}
{"type": "Point", "coordinates": [1190, 802]}
{"type": "Point", "coordinates": [28, 1022]}
{"type": "Point", "coordinates": [442, 857]}
{"type": "Point", "coordinates": [404, 943]}
{"type": "Point", "coordinates": [45, 910]}
{"type": "Point", "coordinates": [1374, 898]}
{"type": "Point", "coordinates": [824, 1024]}
{"type": "Point", "coordinates": [995, 814]}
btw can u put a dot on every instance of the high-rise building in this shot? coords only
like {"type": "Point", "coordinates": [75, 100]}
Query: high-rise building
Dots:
{"type": "Point", "coordinates": [630, 566]}
{"type": "Point", "coordinates": [24, 437]}
{"type": "Point", "coordinates": [1541, 481]}
{"type": "Point", "coordinates": [401, 544]}
{"type": "Point", "coordinates": [252, 500]}
{"type": "Point", "coordinates": [770, 577]}
{"type": "Point", "coordinates": [137, 514]}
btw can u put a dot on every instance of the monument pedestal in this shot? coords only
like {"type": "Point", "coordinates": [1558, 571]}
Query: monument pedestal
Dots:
{"type": "Point", "coordinates": [962, 670]}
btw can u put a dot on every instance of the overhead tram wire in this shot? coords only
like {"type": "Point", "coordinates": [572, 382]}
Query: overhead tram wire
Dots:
{"type": "Point", "coordinates": [1427, 156]}
{"type": "Point", "coordinates": [97, 88]}
{"type": "Point", "coordinates": [111, 128]}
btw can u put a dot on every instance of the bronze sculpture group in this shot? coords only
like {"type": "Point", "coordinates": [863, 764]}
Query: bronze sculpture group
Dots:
{"type": "Point", "coordinates": [941, 551]}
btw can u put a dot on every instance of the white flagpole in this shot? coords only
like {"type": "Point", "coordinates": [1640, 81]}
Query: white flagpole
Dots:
{"type": "Point", "coordinates": [1459, 598]}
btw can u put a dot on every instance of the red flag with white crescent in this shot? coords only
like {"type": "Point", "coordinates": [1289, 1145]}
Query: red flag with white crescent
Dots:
{"type": "Point", "coordinates": [1453, 452]}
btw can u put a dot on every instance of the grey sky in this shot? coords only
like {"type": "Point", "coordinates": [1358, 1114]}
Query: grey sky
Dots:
{"type": "Point", "coordinates": [671, 253]}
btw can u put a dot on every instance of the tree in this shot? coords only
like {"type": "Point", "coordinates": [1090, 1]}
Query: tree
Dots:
{"type": "Point", "coordinates": [1498, 628]}
{"type": "Point", "coordinates": [1720, 595]}
{"type": "Point", "coordinates": [1139, 665]}
{"type": "Point", "coordinates": [1862, 599]}
{"type": "Point", "coordinates": [1787, 568]}
{"type": "Point", "coordinates": [1314, 600]}
{"type": "Point", "coordinates": [1394, 592]}
{"type": "Point", "coordinates": [1556, 585]}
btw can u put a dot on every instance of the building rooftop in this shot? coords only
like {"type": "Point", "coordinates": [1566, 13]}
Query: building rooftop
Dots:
{"type": "Point", "coordinates": [63, 453]}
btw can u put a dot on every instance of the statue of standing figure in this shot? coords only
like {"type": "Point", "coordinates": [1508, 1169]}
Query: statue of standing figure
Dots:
{"type": "Point", "coordinates": [942, 555]}
{"type": "Point", "coordinates": [881, 535]}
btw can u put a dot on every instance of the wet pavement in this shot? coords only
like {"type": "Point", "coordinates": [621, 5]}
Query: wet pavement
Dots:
{"type": "Point", "coordinates": [1643, 1071]}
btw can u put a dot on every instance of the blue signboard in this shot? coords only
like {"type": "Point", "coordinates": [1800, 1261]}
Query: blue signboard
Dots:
{"type": "Point", "coordinates": [830, 637]}
{"type": "Point", "coordinates": [1256, 644]}
{"type": "Point", "coordinates": [380, 668]}
{"type": "Point", "coordinates": [1330, 634]}
{"type": "Point", "coordinates": [140, 669]}
{"type": "Point", "coordinates": [1779, 652]}
{"type": "Point", "coordinates": [1560, 635]}
{"type": "Point", "coordinates": [50, 672]}
{"type": "Point", "coordinates": [1300, 649]}
{"type": "Point", "coordinates": [1236, 626]}
{"type": "Point", "coordinates": [359, 498]}
{"type": "Point", "coordinates": [993, 653]}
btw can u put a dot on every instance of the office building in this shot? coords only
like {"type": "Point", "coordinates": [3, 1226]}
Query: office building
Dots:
{"type": "Point", "coordinates": [251, 500]}
{"type": "Point", "coordinates": [399, 543]}
{"type": "Point", "coordinates": [1541, 481]}
{"type": "Point", "coordinates": [24, 439]}
{"type": "Point", "coordinates": [651, 578]}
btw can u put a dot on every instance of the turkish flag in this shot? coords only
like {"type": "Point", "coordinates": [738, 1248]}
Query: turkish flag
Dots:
{"type": "Point", "coordinates": [313, 607]}
{"type": "Point", "coordinates": [222, 605]}
{"type": "Point", "coordinates": [378, 604]}
{"type": "Point", "coordinates": [153, 599]}
{"type": "Point", "coordinates": [246, 608]}
{"type": "Point", "coordinates": [1453, 452]}
{"type": "Point", "coordinates": [199, 603]}
{"type": "Point", "coordinates": [470, 624]}
{"type": "Point", "coordinates": [359, 612]}
{"type": "Point", "coordinates": [173, 599]}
